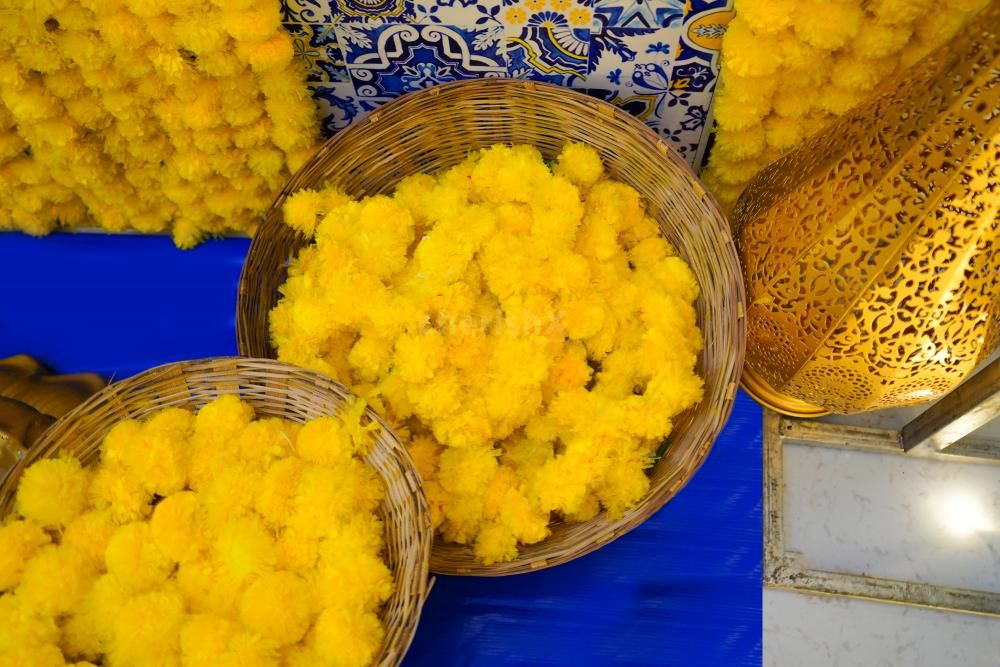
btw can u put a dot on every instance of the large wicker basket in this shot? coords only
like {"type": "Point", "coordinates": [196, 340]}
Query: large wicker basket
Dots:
{"type": "Point", "coordinates": [274, 389]}
{"type": "Point", "coordinates": [436, 128]}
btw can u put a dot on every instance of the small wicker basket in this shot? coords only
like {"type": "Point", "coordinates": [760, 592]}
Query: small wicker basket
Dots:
{"type": "Point", "coordinates": [433, 129]}
{"type": "Point", "coordinates": [274, 389]}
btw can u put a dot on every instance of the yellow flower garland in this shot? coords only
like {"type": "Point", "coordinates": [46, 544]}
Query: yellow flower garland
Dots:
{"type": "Point", "coordinates": [208, 539]}
{"type": "Point", "coordinates": [533, 331]}
{"type": "Point", "coordinates": [791, 67]}
{"type": "Point", "coordinates": [147, 115]}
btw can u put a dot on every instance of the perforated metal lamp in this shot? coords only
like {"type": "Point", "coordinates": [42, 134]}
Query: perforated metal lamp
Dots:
{"type": "Point", "coordinates": [871, 255]}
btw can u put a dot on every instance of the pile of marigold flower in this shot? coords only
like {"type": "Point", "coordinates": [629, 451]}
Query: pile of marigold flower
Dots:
{"type": "Point", "coordinates": [791, 67]}
{"type": "Point", "coordinates": [528, 327]}
{"type": "Point", "coordinates": [149, 115]}
{"type": "Point", "coordinates": [208, 539]}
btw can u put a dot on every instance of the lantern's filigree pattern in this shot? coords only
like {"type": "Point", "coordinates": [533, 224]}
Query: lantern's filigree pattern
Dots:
{"type": "Point", "coordinates": [871, 255]}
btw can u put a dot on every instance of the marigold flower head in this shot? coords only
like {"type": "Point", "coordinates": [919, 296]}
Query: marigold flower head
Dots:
{"type": "Point", "coordinates": [277, 606]}
{"type": "Point", "coordinates": [134, 558]}
{"type": "Point", "coordinates": [19, 541]}
{"type": "Point", "coordinates": [52, 491]}
{"type": "Point", "coordinates": [22, 625]}
{"type": "Point", "coordinates": [55, 579]}
{"type": "Point", "coordinates": [828, 24]}
{"type": "Point", "coordinates": [149, 625]}
{"type": "Point", "coordinates": [176, 526]}
{"type": "Point", "coordinates": [90, 533]}
{"type": "Point", "coordinates": [351, 638]}
{"type": "Point", "coordinates": [743, 51]}
{"type": "Point", "coordinates": [114, 490]}
{"type": "Point", "coordinates": [244, 547]}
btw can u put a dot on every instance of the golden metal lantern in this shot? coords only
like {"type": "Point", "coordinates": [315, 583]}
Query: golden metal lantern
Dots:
{"type": "Point", "coordinates": [871, 254]}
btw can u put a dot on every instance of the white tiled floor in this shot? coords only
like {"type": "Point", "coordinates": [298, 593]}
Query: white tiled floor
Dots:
{"type": "Point", "coordinates": [814, 631]}
{"type": "Point", "coordinates": [894, 517]}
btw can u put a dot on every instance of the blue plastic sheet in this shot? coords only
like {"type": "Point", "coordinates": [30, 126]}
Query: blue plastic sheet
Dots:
{"type": "Point", "coordinates": [682, 589]}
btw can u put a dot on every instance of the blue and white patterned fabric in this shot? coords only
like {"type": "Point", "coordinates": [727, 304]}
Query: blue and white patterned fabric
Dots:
{"type": "Point", "coordinates": [659, 59]}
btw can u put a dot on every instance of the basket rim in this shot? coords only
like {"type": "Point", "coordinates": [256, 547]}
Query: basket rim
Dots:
{"type": "Point", "coordinates": [647, 142]}
{"type": "Point", "coordinates": [388, 108]}
{"type": "Point", "coordinates": [416, 587]}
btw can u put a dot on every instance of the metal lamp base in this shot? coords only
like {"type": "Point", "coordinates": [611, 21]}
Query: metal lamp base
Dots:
{"type": "Point", "coordinates": [773, 399]}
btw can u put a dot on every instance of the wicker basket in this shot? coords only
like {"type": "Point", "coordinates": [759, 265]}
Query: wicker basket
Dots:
{"type": "Point", "coordinates": [436, 128]}
{"type": "Point", "coordinates": [274, 389]}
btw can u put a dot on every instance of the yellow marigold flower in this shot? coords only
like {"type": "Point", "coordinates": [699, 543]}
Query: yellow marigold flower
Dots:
{"type": "Point", "coordinates": [90, 533]}
{"type": "Point", "coordinates": [52, 491]}
{"type": "Point", "coordinates": [230, 491]}
{"type": "Point", "coordinates": [114, 490]}
{"type": "Point", "coordinates": [509, 173]}
{"type": "Point", "coordinates": [19, 541]}
{"type": "Point", "coordinates": [418, 356]}
{"type": "Point", "coordinates": [580, 164]}
{"type": "Point", "coordinates": [839, 101]}
{"type": "Point", "coordinates": [363, 533]}
{"type": "Point", "coordinates": [494, 544]}
{"type": "Point", "coordinates": [277, 606]}
{"type": "Point", "coordinates": [559, 486]}
{"type": "Point", "coordinates": [783, 133]}
{"type": "Point", "coordinates": [55, 580]}
{"type": "Point", "coordinates": [297, 549]}
{"type": "Point", "coordinates": [23, 626]}
{"type": "Point", "coordinates": [936, 28]}
{"type": "Point", "coordinates": [176, 527]}
{"type": "Point", "coordinates": [766, 17]}
{"type": "Point", "coordinates": [122, 30]}
{"type": "Point", "coordinates": [147, 630]}
{"type": "Point", "coordinates": [251, 24]}
{"type": "Point", "coordinates": [158, 460]}
{"type": "Point", "coordinates": [734, 114]}
{"type": "Point", "coordinates": [898, 12]}
{"type": "Point", "coordinates": [828, 24]}
{"type": "Point", "coordinates": [625, 485]}
{"type": "Point", "coordinates": [221, 63]}
{"type": "Point", "coordinates": [277, 488]}
{"type": "Point", "coordinates": [324, 440]}
{"type": "Point", "coordinates": [201, 33]}
{"type": "Point", "coordinates": [589, 508]}
{"type": "Point", "coordinates": [205, 638]}
{"type": "Point", "coordinates": [296, 158]}
{"type": "Point", "coordinates": [349, 638]}
{"type": "Point", "coordinates": [877, 39]}
{"type": "Point", "coordinates": [244, 547]}
{"type": "Point", "coordinates": [219, 422]}
{"type": "Point", "coordinates": [790, 103]}
{"type": "Point", "coordinates": [466, 469]}
{"type": "Point", "coordinates": [266, 440]}
{"type": "Point", "coordinates": [425, 455]}
{"type": "Point", "coordinates": [303, 210]}
{"type": "Point", "coordinates": [273, 53]}
{"type": "Point", "coordinates": [744, 52]}
{"type": "Point", "coordinates": [861, 74]}
{"type": "Point", "coordinates": [738, 172]}
{"type": "Point", "coordinates": [134, 559]}
{"type": "Point", "coordinates": [734, 145]}
{"type": "Point", "coordinates": [326, 496]}
{"type": "Point", "coordinates": [89, 630]}
{"type": "Point", "coordinates": [195, 580]}
{"type": "Point", "coordinates": [252, 650]}
{"type": "Point", "coordinates": [144, 8]}
{"type": "Point", "coordinates": [45, 655]}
